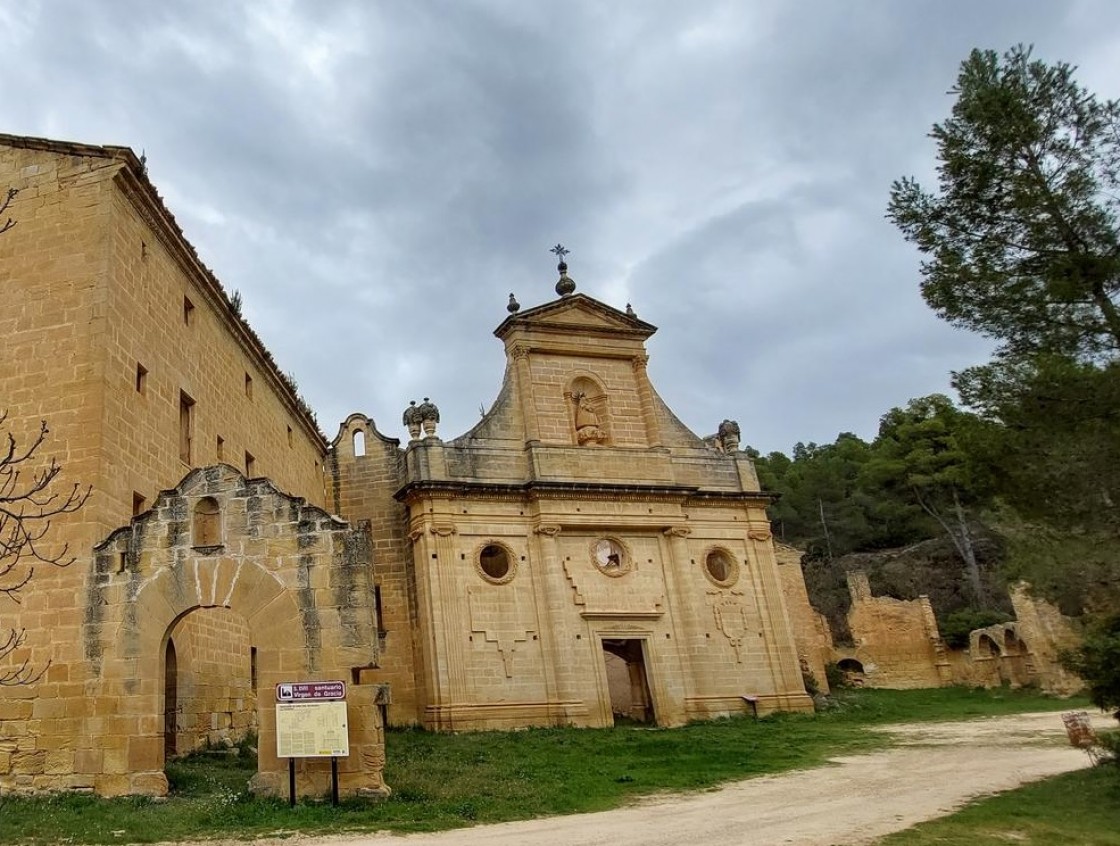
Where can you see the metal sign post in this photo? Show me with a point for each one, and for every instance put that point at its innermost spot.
(311, 722)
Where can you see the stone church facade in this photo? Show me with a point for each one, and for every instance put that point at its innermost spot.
(577, 556)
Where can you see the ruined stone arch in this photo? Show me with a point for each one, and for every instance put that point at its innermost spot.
(988, 647)
(298, 577)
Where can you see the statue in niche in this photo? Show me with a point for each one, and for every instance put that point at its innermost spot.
(588, 428)
(729, 436)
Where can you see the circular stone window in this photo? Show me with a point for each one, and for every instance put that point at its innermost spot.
(610, 557)
(495, 563)
(721, 567)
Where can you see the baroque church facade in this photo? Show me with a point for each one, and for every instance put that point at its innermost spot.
(577, 556)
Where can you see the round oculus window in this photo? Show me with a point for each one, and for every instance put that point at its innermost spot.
(720, 567)
(609, 556)
(494, 563)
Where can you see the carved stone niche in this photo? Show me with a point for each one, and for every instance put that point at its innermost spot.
(590, 412)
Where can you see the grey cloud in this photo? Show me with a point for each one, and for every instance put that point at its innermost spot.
(376, 178)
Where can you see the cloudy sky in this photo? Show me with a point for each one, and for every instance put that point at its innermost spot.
(377, 177)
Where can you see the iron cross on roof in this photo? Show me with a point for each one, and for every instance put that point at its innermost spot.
(560, 251)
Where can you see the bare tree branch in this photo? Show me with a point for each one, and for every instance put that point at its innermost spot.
(29, 501)
(9, 223)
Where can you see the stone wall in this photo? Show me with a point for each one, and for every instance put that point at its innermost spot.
(96, 339)
(300, 580)
(896, 641)
(811, 633)
(362, 488)
(210, 677)
(897, 645)
(1044, 633)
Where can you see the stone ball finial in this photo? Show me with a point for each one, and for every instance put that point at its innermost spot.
(514, 306)
(565, 286)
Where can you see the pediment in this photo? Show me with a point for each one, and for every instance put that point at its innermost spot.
(579, 312)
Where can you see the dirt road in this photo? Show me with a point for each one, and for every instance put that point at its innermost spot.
(856, 799)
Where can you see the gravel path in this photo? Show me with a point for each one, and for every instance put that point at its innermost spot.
(854, 800)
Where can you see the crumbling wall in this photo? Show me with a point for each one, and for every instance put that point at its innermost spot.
(811, 634)
(897, 645)
(1046, 632)
(896, 641)
(365, 471)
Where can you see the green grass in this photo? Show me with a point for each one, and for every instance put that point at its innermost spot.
(1076, 809)
(443, 781)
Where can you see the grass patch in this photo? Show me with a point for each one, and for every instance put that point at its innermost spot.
(442, 781)
(1079, 809)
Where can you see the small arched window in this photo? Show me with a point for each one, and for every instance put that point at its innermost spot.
(359, 443)
(207, 522)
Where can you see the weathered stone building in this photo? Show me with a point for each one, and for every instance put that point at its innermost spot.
(578, 541)
(896, 644)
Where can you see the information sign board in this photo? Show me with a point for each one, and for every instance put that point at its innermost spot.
(312, 730)
(310, 691)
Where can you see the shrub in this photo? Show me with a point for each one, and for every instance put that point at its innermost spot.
(835, 676)
(956, 627)
(1097, 661)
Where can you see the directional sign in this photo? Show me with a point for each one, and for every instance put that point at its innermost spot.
(322, 691)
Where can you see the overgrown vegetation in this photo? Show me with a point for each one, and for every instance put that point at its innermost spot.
(443, 781)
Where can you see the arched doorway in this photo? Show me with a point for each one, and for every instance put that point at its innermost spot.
(209, 696)
(853, 671)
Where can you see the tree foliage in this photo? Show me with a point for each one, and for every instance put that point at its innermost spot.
(1098, 661)
(1022, 244)
(1021, 240)
(920, 455)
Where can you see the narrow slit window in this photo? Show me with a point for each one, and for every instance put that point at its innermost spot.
(291, 439)
(250, 463)
(188, 311)
(186, 426)
(141, 378)
(220, 448)
(248, 386)
(139, 503)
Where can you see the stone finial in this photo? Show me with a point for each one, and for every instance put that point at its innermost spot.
(429, 416)
(514, 306)
(565, 286)
(630, 311)
(729, 435)
(411, 420)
